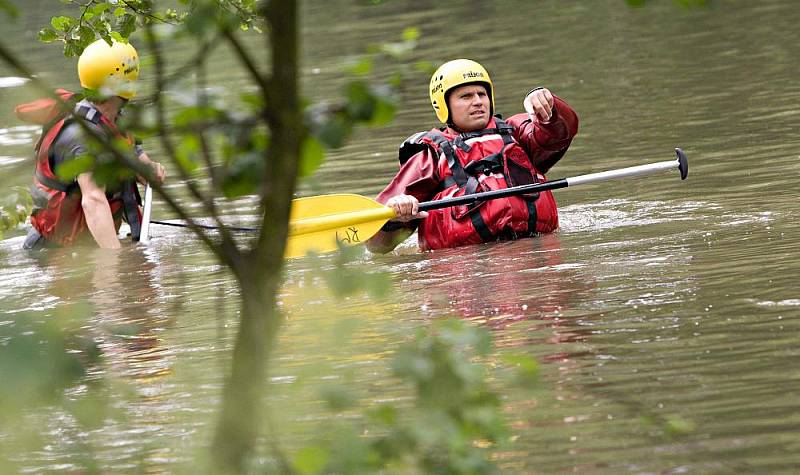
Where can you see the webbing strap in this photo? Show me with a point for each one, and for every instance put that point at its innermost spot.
(131, 208)
(532, 216)
(480, 226)
(55, 184)
(89, 113)
(487, 165)
(459, 175)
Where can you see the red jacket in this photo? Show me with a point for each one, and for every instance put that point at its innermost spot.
(505, 154)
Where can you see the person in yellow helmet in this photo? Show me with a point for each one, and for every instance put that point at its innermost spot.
(67, 212)
(476, 151)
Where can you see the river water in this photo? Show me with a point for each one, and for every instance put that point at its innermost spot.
(664, 313)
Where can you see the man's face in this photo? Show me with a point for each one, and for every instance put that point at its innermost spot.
(469, 107)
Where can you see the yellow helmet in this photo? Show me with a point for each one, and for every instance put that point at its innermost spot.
(453, 74)
(110, 70)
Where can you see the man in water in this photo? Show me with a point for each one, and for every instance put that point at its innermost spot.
(67, 212)
(474, 152)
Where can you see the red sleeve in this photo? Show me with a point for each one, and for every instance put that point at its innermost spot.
(546, 143)
(417, 177)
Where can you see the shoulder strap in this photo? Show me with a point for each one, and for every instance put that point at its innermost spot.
(50, 133)
(89, 113)
(61, 120)
(410, 147)
(446, 146)
(505, 130)
(44, 153)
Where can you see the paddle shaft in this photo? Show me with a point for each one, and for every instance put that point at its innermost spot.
(203, 226)
(680, 164)
(144, 234)
(146, 221)
(331, 222)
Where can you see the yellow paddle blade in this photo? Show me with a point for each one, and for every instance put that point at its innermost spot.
(322, 223)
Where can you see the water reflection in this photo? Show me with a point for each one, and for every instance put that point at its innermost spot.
(115, 298)
(527, 291)
(124, 316)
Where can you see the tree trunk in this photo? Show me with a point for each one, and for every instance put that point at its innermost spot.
(240, 417)
(259, 271)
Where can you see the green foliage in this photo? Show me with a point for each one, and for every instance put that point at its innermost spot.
(449, 426)
(14, 209)
(310, 460)
(97, 20)
(670, 426)
(48, 367)
(527, 369)
(39, 359)
(205, 17)
(364, 104)
(119, 20)
(9, 9)
(311, 157)
(70, 169)
(348, 277)
(103, 160)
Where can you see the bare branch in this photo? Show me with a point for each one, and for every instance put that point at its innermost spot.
(248, 61)
(169, 146)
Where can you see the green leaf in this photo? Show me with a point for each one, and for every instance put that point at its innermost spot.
(70, 169)
(411, 34)
(425, 67)
(526, 368)
(385, 414)
(127, 25)
(312, 155)
(677, 426)
(360, 101)
(310, 460)
(201, 19)
(338, 398)
(360, 66)
(72, 48)
(189, 116)
(333, 132)
(379, 285)
(383, 113)
(243, 175)
(87, 36)
(35, 363)
(6, 220)
(90, 410)
(46, 35)
(255, 101)
(119, 11)
(99, 8)
(105, 36)
(10, 9)
(187, 150)
(62, 23)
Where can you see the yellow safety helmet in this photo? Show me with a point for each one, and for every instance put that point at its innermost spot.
(453, 74)
(109, 70)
